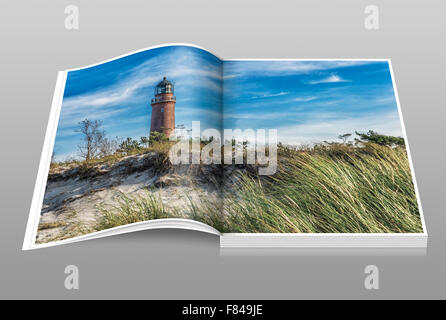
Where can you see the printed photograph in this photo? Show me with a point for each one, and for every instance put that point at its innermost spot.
(153, 135)
(343, 164)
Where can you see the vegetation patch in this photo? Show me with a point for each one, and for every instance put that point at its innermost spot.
(327, 188)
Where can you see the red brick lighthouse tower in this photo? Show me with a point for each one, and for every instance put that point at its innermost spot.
(163, 109)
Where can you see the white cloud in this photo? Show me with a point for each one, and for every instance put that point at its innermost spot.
(176, 65)
(270, 115)
(305, 99)
(330, 79)
(190, 111)
(234, 69)
(181, 65)
(270, 95)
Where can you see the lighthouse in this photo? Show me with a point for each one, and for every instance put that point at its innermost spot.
(163, 109)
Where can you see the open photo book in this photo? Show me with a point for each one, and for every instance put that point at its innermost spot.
(261, 152)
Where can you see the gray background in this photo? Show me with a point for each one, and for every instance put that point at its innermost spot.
(181, 264)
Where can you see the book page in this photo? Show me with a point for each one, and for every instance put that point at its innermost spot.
(337, 158)
(119, 121)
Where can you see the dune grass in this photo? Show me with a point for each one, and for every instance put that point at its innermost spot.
(131, 209)
(329, 189)
(333, 188)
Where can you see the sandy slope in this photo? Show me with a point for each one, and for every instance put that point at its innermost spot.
(72, 200)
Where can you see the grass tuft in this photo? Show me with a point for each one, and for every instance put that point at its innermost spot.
(131, 209)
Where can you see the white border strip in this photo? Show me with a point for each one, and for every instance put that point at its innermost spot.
(324, 240)
(45, 160)
(412, 170)
(169, 223)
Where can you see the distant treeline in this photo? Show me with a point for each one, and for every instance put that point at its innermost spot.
(95, 143)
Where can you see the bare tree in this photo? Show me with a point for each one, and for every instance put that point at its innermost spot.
(92, 138)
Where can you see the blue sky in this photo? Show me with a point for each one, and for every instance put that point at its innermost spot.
(119, 93)
(310, 101)
(306, 101)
